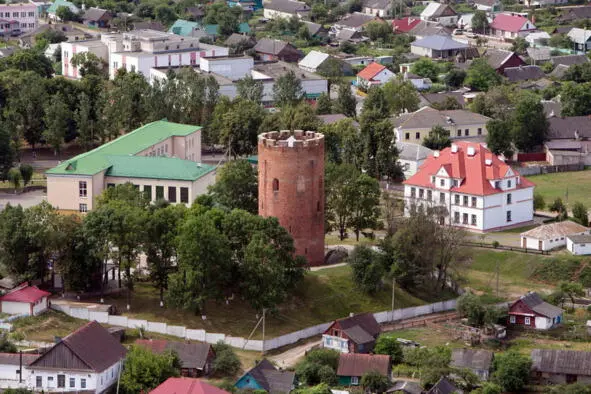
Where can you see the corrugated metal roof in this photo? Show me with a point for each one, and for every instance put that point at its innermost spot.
(313, 59)
(438, 42)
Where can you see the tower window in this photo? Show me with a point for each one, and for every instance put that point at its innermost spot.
(275, 185)
(317, 206)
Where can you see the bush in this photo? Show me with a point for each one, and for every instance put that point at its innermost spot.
(390, 346)
(327, 375)
(324, 357)
(319, 366)
(374, 382)
(226, 361)
(511, 371)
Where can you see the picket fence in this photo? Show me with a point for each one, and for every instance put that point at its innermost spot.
(89, 313)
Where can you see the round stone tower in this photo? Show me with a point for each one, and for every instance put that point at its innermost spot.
(291, 187)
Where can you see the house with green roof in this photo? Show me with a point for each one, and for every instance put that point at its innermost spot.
(52, 10)
(161, 158)
(184, 28)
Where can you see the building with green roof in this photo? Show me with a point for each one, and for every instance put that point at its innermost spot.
(52, 10)
(161, 158)
(184, 28)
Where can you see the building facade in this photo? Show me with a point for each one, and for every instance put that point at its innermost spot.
(291, 187)
(18, 17)
(552, 235)
(475, 189)
(161, 158)
(530, 311)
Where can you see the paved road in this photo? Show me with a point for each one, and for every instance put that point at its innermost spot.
(26, 200)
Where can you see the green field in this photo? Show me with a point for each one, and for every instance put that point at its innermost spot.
(552, 186)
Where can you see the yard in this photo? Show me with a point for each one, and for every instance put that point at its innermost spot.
(570, 186)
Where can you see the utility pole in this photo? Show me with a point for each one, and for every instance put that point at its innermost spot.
(497, 277)
(264, 313)
(393, 295)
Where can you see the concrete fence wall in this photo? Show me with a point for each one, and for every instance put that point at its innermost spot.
(242, 343)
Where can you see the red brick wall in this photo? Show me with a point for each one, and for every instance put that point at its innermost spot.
(299, 202)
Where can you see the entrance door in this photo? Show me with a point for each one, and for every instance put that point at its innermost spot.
(540, 245)
(571, 379)
(523, 242)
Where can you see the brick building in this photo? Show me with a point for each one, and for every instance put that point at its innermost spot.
(291, 187)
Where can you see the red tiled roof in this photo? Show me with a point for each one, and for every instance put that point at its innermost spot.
(25, 294)
(405, 25)
(371, 71)
(474, 170)
(505, 22)
(186, 386)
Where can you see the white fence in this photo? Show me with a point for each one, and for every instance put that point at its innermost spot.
(88, 313)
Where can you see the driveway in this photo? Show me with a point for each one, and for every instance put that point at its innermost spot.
(26, 200)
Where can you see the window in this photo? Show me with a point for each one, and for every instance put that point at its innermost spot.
(459, 132)
(465, 200)
(354, 380)
(467, 132)
(479, 131)
(456, 183)
(82, 190)
(465, 218)
(159, 192)
(509, 184)
(433, 179)
(38, 381)
(61, 380)
(185, 195)
(83, 383)
(442, 198)
(31, 14)
(508, 216)
(72, 382)
(275, 185)
(116, 65)
(418, 136)
(83, 208)
(456, 217)
(429, 195)
(442, 182)
(406, 136)
(473, 201)
(413, 192)
(110, 185)
(132, 68)
(512, 319)
(457, 199)
(148, 192)
(421, 193)
(497, 185)
(509, 198)
(473, 220)
(171, 193)
(527, 321)
(317, 206)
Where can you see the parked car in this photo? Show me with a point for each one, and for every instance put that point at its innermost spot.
(458, 32)
(15, 33)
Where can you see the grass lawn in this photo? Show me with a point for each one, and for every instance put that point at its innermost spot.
(323, 296)
(47, 326)
(552, 186)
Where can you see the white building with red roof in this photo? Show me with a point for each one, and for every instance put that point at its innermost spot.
(25, 300)
(375, 74)
(478, 190)
(511, 26)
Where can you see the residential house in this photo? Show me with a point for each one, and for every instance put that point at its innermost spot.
(488, 5)
(543, 3)
(568, 60)
(265, 376)
(248, 6)
(270, 49)
(185, 28)
(354, 21)
(511, 26)
(537, 38)
(500, 59)
(405, 25)
(213, 31)
(436, 99)
(52, 10)
(286, 9)
(358, 60)
(530, 311)
(349, 35)
(418, 82)
(352, 367)
(374, 74)
(198, 12)
(570, 15)
(89, 359)
(334, 118)
(569, 128)
(478, 361)
(539, 55)
(241, 41)
(196, 358)
(462, 124)
(550, 367)
(316, 30)
(25, 300)
(411, 157)
(97, 17)
(523, 73)
(425, 29)
(354, 334)
(316, 61)
(579, 245)
(581, 38)
(437, 47)
(18, 17)
(440, 13)
(465, 21)
(551, 236)
(444, 386)
(476, 190)
(161, 158)
(148, 25)
(381, 8)
(405, 387)
(186, 386)
(10, 368)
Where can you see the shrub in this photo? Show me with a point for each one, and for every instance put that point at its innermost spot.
(226, 361)
(512, 371)
(374, 382)
(390, 346)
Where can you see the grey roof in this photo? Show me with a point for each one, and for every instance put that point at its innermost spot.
(287, 6)
(268, 45)
(94, 14)
(569, 362)
(439, 42)
(378, 4)
(536, 304)
(497, 57)
(276, 69)
(313, 28)
(356, 20)
(472, 358)
(191, 355)
(428, 117)
(539, 54)
(427, 28)
(443, 386)
(410, 151)
(436, 98)
(523, 73)
(149, 25)
(579, 36)
(566, 127)
(575, 13)
(237, 38)
(569, 60)
(563, 145)
(358, 335)
(559, 71)
(334, 118)
(348, 34)
(562, 30)
(270, 379)
(406, 387)
(580, 238)
(434, 10)
(14, 358)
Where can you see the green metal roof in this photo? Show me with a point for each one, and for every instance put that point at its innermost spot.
(253, 159)
(61, 3)
(97, 160)
(183, 27)
(212, 30)
(155, 167)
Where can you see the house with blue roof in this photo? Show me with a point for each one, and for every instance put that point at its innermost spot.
(265, 376)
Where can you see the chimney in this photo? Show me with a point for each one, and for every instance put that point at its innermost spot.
(436, 153)
(471, 151)
(488, 162)
(454, 148)
(351, 314)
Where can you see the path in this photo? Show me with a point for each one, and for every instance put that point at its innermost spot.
(290, 357)
(26, 200)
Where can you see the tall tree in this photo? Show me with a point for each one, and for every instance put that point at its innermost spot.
(437, 139)
(57, 115)
(499, 139)
(26, 171)
(323, 104)
(340, 181)
(366, 200)
(236, 186)
(425, 68)
(287, 90)
(89, 64)
(512, 371)
(7, 153)
(576, 99)
(380, 152)
(366, 269)
(345, 102)
(529, 124)
(401, 96)
(580, 213)
(481, 76)
(342, 143)
(250, 89)
(145, 370)
(239, 127)
(85, 122)
(480, 22)
(27, 106)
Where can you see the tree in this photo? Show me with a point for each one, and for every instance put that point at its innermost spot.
(342, 143)
(478, 314)
(499, 138)
(18, 391)
(89, 64)
(323, 104)
(30, 60)
(345, 102)
(365, 200)
(339, 191)
(571, 290)
(6, 151)
(425, 68)
(580, 214)
(379, 146)
(239, 127)
(375, 382)
(390, 346)
(165, 14)
(512, 370)
(287, 90)
(52, 36)
(15, 178)
(529, 124)
(481, 76)
(455, 79)
(65, 14)
(480, 22)
(576, 99)
(145, 370)
(366, 269)
(539, 203)
(559, 207)
(448, 103)
(401, 96)
(86, 121)
(519, 45)
(57, 115)
(26, 171)
(433, 363)
(26, 107)
(437, 139)
(236, 186)
(379, 31)
(498, 103)
(226, 362)
(560, 41)
(318, 366)
(250, 89)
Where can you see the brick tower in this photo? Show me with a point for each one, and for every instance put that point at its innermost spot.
(291, 187)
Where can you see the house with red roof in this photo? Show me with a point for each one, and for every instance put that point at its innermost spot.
(511, 26)
(405, 25)
(375, 74)
(477, 190)
(25, 300)
(186, 386)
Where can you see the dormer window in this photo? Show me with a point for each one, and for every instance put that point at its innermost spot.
(497, 185)
(509, 184)
(442, 182)
(432, 179)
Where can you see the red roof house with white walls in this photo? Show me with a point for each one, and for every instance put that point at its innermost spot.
(25, 300)
(375, 74)
(511, 26)
(475, 188)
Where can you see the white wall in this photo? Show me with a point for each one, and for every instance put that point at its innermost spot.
(543, 323)
(232, 68)
(99, 382)
(578, 249)
(16, 308)
(9, 372)
(420, 51)
(40, 307)
(336, 343)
